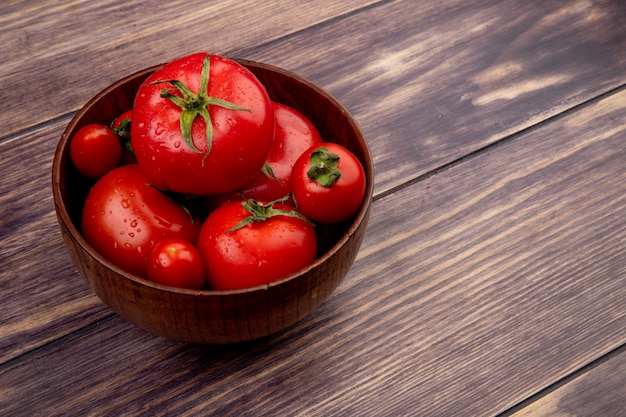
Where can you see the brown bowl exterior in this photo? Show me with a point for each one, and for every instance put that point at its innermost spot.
(215, 317)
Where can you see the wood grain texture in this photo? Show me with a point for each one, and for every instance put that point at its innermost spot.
(458, 64)
(600, 391)
(496, 274)
(434, 81)
(41, 298)
(501, 274)
(64, 53)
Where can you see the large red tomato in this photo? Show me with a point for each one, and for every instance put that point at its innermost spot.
(271, 246)
(124, 217)
(202, 124)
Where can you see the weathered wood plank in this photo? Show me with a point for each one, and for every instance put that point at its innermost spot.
(475, 288)
(56, 55)
(600, 391)
(41, 296)
(434, 81)
(429, 83)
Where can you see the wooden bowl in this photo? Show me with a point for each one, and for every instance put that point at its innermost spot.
(205, 316)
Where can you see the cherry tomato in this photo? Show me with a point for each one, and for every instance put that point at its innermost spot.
(328, 183)
(121, 127)
(176, 262)
(95, 150)
(271, 246)
(121, 124)
(202, 124)
(124, 217)
(293, 134)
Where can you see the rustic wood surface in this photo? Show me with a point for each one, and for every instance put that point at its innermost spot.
(492, 279)
(596, 390)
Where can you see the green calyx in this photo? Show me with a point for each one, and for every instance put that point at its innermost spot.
(194, 105)
(324, 169)
(269, 173)
(260, 212)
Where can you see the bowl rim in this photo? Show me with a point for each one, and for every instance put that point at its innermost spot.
(64, 216)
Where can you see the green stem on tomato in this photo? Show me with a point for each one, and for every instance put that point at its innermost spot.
(260, 212)
(194, 105)
(324, 168)
(269, 173)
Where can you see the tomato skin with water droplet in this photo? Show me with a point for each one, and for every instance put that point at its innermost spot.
(257, 253)
(293, 135)
(95, 150)
(124, 217)
(241, 139)
(176, 262)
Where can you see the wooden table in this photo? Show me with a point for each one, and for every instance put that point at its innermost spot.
(492, 280)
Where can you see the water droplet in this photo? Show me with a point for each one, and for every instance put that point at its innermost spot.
(177, 144)
(159, 129)
(128, 245)
(133, 223)
(131, 234)
(125, 203)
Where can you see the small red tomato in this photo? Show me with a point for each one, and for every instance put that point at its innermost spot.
(124, 217)
(95, 150)
(328, 183)
(121, 124)
(244, 244)
(176, 262)
(121, 127)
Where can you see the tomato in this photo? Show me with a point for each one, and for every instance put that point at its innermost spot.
(124, 217)
(95, 150)
(176, 262)
(328, 183)
(121, 124)
(202, 124)
(272, 242)
(121, 127)
(293, 134)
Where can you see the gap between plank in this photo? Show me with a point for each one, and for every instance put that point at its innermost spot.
(328, 22)
(235, 52)
(563, 381)
(506, 139)
(59, 340)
